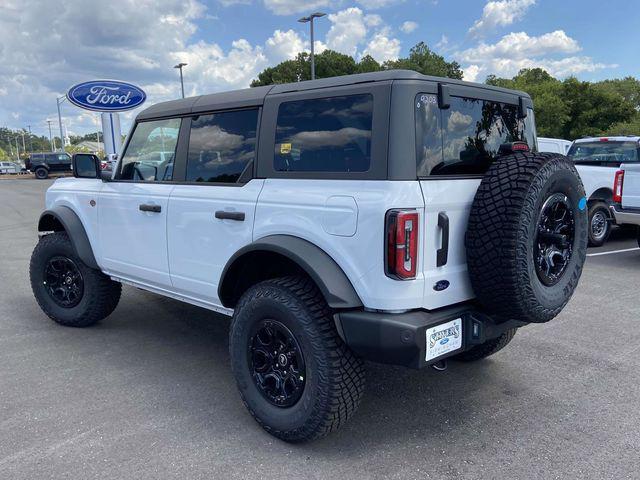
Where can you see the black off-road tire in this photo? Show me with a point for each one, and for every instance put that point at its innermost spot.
(487, 348)
(600, 209)
(334, 382)
(41, 173)
(503, 232)
(100, 294)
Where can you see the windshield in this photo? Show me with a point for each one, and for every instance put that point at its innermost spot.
(600, 152)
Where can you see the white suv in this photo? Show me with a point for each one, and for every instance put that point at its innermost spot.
(389, 216)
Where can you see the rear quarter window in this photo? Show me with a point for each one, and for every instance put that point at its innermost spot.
(324, 134)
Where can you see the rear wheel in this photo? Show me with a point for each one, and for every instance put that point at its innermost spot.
(487, 348)
(68, 291)
(296, 376)
(599, 224)
(41, 173)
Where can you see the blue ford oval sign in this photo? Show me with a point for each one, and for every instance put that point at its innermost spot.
(106, 96)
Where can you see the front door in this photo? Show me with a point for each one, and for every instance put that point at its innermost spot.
(211, 214)
(132, 210)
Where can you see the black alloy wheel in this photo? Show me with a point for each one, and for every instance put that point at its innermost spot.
(554, 240)
(63, 281)
(276, 363)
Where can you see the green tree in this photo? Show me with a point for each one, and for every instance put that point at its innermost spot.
(571, 108)
(333, 64)
(423, 60)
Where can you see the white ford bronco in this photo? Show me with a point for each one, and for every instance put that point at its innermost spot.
(390, 217)
(597, 160)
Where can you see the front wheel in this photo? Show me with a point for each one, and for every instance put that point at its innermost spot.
(296, 376)
(599, 224)
(68, 291)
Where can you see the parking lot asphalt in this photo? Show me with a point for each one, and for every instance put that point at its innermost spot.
(148, 393)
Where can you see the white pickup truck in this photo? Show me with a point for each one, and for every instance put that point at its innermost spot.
(597, 159)
(626, 196)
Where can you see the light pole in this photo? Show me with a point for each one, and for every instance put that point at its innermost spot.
(30, 139)
(59, 100)
(179, 67)
(309, 20)
(53, 146)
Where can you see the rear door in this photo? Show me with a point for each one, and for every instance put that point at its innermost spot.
(454, 147)
(211, 212)
(132, 210)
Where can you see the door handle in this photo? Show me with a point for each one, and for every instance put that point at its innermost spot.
(442, 254)
(145, 207)
(224, 215)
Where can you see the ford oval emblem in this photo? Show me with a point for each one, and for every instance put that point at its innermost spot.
(444, 341)
(441, 285)
(106, 96)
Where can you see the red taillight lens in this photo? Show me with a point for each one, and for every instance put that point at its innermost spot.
(401, 247)
(617, 186)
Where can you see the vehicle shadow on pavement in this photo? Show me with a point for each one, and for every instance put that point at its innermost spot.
(398, 403)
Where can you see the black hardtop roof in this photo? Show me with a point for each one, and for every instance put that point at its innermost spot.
(255, 96)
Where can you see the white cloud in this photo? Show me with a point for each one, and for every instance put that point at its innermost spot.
(521, 45)
(443, 43)
(373, 4)
(373, 20)
(383, 48)
(516, 51)
(499, 13)
(408, 26)
(284, 45)
(470, 73)
(289, 7)
(348, 30)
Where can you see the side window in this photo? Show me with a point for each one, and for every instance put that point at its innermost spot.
(150, 155)
(221, 146)
(470, 133)
(324, 135)
(52, 158)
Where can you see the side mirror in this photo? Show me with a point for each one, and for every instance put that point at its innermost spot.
(85, 165)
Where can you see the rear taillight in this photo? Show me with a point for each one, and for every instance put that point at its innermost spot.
(401, 245)
(617, 186)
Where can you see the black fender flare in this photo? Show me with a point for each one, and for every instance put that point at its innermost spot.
(321, 268)
(72, 225)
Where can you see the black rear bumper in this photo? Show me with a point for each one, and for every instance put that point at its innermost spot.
(400, 339)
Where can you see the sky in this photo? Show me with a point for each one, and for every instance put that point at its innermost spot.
(48, 45)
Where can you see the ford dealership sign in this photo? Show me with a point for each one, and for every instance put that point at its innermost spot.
(106, 96)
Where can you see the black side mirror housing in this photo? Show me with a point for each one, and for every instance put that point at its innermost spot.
(85, 165)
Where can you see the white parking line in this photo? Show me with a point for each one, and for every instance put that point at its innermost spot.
(612, 251)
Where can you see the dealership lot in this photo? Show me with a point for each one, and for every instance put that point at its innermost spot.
(148, 393)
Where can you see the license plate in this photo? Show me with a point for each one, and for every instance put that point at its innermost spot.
(443, 338)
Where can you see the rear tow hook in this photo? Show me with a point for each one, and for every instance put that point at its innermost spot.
(440, 366)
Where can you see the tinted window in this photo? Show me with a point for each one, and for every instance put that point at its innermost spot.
(324, 135)
(221, 146)
(150, 154)
(464, 139)
(604, 152)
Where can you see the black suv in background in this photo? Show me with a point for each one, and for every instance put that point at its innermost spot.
(41, 164)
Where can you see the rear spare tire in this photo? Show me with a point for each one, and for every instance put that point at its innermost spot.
(527, 236)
